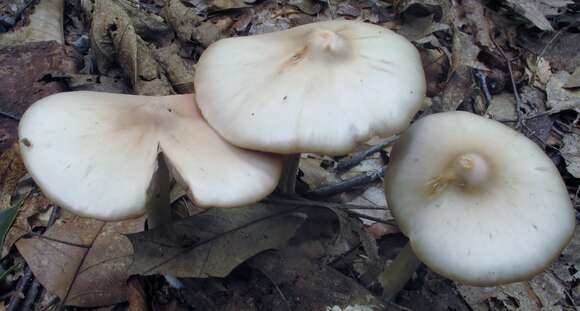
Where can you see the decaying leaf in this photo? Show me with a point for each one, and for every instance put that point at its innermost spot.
(573, 80)
(308, 285)
(559, 98)
(11, 170)
(114, 40)
(530, 9)
(83, 261)
(571, 153)
(45, 25)
(212, 243)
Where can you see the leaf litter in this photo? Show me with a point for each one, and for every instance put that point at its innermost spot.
(510, 60)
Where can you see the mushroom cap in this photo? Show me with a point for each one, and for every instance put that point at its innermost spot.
(481, 203)
(321, 87)
(95, 153)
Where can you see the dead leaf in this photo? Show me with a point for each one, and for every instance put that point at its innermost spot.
(571, 153)
(308, 285)
(310, 7)
(11, 170)
(83, 261)
(114, 41)
(530, 10)
(517, 296)
(214, 242)
(45, 25)
(560, 99)
(573, 80)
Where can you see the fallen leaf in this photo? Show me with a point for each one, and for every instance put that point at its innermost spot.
(214, 242)
(310, 7)
(573, 80)
(83, 261)
(114, 41)
(559, 98)
(45, 25)
(7, 217)
(530, 9)
(11, 170)
(570, 151)
(309, 285)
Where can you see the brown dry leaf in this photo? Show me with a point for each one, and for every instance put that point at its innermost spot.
(83, 261)
(180, 71)
(212, 243)
(530, 9)
(309, 285)
(114, 41)
(570, 151)
(11, 171)
(45, 25)
(559, 98)
(573, 80)
(315, 175)
(463, 60)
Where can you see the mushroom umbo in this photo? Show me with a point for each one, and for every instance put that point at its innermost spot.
(321, 87)
(95, 154)
(480, 203)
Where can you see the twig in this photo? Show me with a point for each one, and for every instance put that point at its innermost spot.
(19, 293)
(304, 202)
(9, 116)
(358, 157)
(31, 296)
(519, 112)
(347, 185)
(484, 87)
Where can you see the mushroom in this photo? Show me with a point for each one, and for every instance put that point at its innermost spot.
(95, 154)
(321, 87)
(480, 203)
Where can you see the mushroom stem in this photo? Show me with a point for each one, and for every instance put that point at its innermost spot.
(158, 205)
(398, 272)
(287, 184)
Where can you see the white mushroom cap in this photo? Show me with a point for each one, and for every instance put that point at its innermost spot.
(95, 153)
(481, 203)
(321, 87)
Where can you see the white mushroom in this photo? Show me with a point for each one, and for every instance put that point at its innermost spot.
(95, 153)
(322, 87)
(481, 203)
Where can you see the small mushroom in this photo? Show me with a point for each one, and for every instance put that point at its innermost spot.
(323, 87)
(96, 154)
(480, 203)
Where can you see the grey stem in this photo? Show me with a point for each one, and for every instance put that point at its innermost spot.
(399, 272)
(287, 184)
(158, 205)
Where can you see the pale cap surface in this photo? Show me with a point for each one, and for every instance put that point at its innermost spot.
(321, 87)
(481, 203)
(95, 153)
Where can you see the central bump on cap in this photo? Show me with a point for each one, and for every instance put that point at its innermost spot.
(325, 40)
(472, 170)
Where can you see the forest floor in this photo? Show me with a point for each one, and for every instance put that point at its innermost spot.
(514, 61)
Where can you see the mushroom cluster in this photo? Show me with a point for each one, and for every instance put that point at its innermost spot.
(480, 203)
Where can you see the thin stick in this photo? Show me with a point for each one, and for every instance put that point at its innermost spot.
(347, 185)
(358, 157)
